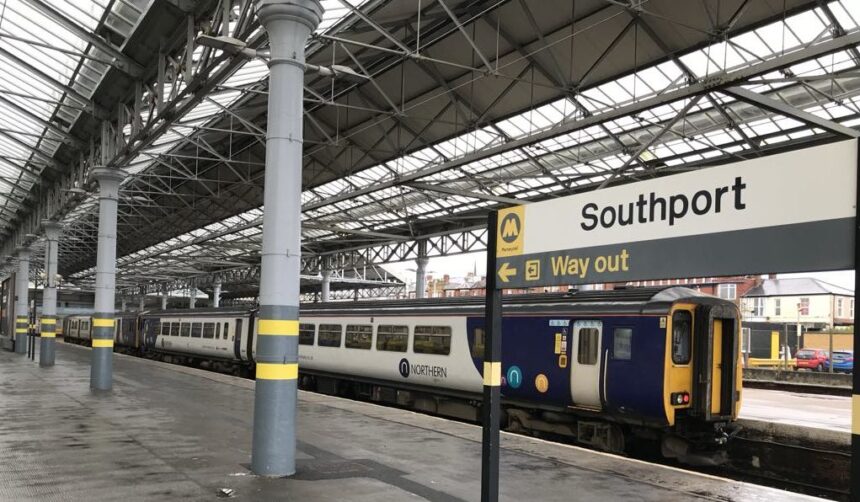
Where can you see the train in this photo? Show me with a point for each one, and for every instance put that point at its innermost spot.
(608, 369)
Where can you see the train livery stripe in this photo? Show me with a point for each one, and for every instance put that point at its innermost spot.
(103, 323)
(278, 327)
(269, 371)
(855, 414)
(492, 374)
(101, 343)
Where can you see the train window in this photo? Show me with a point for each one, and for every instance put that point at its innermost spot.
(478, 343)
(682, 334)
(165, 329)
(432, 340)
(589, 338)
(392, 338)
(226, 330)
(622, 345)
(329, 335)
(359, 336)
(196, 329)
(185, 329)
(306, 334)
(174, 329)
(85, 325)
(217, 330)
(208, 330)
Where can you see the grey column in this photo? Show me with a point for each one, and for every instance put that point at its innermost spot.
(326, 285)
(216, 293)
(421, 276)
(22, 300)
(47, 342)
(101, 371)
(123, 304)
(273, 451)
(164, 297)
(192, 296)
(141, 304)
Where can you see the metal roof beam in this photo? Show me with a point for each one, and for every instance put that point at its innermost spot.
(121, 61)
(466, 193)
(776, 106)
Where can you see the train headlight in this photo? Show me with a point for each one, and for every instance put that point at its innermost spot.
(679, 398)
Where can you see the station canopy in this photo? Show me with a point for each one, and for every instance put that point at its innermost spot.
(458, 107)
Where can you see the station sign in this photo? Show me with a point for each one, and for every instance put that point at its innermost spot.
(790, 212)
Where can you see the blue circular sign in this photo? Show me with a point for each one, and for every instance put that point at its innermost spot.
(404, 367)
(515, 376)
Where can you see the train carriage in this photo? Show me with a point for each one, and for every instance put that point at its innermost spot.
(598, 366)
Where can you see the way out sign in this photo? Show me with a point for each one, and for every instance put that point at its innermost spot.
(791, 212)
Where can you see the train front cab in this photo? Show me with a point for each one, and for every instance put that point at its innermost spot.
(702, 387)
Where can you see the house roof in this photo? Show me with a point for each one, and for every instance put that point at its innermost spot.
(796, 287)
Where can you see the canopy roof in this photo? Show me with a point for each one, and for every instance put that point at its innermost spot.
(469, 106)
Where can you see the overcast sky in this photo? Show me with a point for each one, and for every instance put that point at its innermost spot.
(461, 265)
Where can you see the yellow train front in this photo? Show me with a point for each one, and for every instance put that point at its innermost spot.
(703, 374)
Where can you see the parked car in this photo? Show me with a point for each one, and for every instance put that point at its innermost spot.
(843, 361)
(812, 359)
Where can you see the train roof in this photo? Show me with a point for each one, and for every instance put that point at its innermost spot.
(654, 300)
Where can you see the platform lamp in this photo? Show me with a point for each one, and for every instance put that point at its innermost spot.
(238, 48)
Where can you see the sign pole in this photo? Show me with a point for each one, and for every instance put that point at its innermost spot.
(855, 387)
(490, 410)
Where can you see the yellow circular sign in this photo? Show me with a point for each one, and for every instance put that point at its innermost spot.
(541, 383)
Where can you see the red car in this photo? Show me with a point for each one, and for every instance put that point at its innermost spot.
(812, 359)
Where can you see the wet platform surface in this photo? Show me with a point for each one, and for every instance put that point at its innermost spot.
(173, 433)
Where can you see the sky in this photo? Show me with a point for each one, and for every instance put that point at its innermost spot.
(461, 265)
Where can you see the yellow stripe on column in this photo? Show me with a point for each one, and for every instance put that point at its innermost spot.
(20, 330)
(100, 343)
(855, 414)
(49, 321)
(269, 371)
(103, 323)
(22, 319)
(282, 328)
(493, 374)
(49, 335)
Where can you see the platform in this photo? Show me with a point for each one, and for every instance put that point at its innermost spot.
(817, 411)
(169, 432)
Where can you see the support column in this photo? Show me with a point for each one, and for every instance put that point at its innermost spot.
(421, 276)
(216, 293)
(326, 285)
(273, 452)
(47, 342)
(192, 296)
(123, 303)
(164, 297)
(22, 301)
(141, 304)
(101, 371)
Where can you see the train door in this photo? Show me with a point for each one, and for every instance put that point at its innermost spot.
(586, 363)
(715, 358)
(237, 342)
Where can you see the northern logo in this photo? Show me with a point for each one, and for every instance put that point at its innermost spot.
(511, 227)
(404, 367)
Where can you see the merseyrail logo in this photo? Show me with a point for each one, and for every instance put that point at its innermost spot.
(511, 227)
(509, 235)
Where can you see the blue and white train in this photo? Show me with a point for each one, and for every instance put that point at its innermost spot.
(602, 367)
